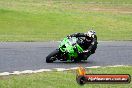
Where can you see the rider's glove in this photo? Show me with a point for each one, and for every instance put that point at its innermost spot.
(85, 51)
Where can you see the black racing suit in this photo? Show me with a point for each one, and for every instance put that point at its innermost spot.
(89, 44)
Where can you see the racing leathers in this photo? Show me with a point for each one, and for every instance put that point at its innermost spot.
(88, 43)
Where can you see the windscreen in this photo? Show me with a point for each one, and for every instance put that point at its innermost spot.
(73, 40)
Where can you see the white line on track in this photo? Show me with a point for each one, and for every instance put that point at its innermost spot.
(47, 70)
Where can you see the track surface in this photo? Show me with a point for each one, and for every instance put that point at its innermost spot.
(19, 56)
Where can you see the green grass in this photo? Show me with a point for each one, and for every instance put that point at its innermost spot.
(41, 20)
(66, 79)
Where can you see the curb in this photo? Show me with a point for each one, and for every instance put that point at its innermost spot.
(48, 70)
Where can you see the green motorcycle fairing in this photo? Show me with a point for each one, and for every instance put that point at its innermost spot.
(70, 46)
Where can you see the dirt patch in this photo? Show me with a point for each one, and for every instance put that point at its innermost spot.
(111, 10)
(97, 7)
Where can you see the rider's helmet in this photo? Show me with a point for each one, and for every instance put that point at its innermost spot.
(91, 33)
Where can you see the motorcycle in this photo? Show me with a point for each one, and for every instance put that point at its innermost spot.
(67, 51)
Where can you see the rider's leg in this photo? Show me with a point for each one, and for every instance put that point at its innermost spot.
(93, 49)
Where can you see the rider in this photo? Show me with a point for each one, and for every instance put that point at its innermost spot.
(88, 41)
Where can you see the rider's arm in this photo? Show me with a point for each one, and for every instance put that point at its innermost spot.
(94, 42)
(78, 35)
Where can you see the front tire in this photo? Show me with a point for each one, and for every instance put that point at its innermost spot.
(52, 56)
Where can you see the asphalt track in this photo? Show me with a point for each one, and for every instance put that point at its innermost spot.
(19, 56)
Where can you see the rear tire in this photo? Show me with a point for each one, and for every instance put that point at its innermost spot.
(52, 56)
(76, 60)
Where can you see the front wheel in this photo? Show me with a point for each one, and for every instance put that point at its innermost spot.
(52, 56)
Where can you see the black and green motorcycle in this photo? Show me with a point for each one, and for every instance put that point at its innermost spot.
(68, 51)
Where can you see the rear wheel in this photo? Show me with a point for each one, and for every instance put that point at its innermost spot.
(52, 56)
(76, 60)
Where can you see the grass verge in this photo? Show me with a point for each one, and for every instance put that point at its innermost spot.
(30, 20)
(64, 79)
